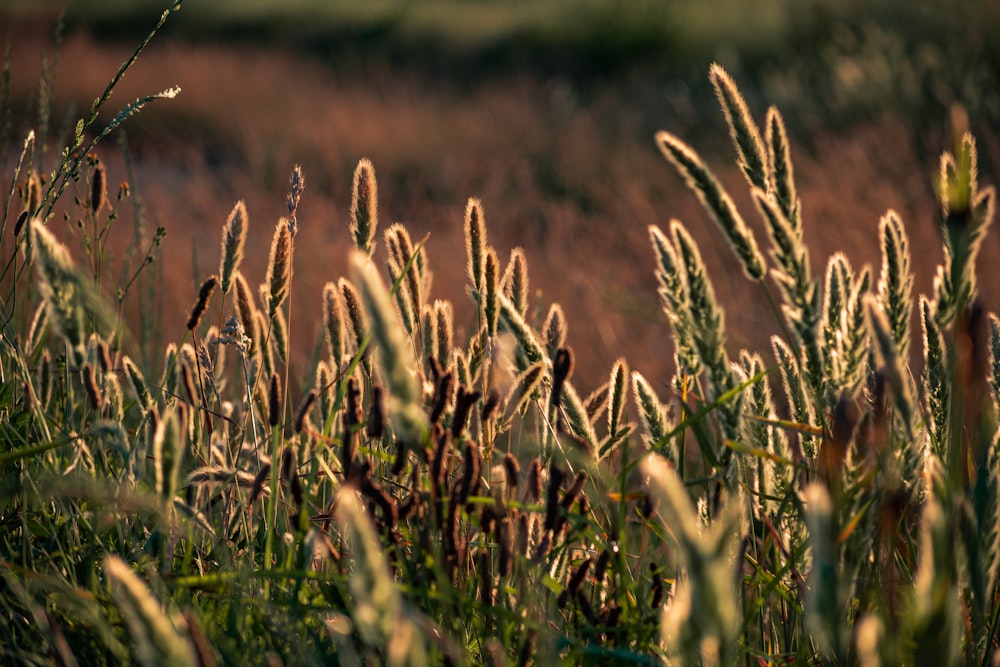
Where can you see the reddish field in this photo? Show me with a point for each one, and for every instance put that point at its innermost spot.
(576, 183)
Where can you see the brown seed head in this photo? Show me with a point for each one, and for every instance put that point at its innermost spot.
(204, 294)
(98, 188)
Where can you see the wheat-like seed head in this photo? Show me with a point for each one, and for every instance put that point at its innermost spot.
(265, 343)
(234, 236)
(781, 178)
(333, 322)
(716, 201)
(673, 296)
(522, 389)
(515, 280)
(279, 267)
(618, 396)
(514, 323)
(935, 378)
(364, 207)
(653, 415)
(475, 242)
(402, 250)
(354, 310)
(138, 383)
(795, 392)
(60, 287)
(33, 193)
(746, 137)
(444, 333)
(887, 357)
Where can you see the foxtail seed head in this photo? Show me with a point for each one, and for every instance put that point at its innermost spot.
(234, 236)
(279, 267)
(364, 207)
(475, 242)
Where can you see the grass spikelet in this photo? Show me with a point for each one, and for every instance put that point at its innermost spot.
(708, 327)
(409, 295)
(395, 357)
(444, 332)
(364, 207)
(61, 288)
(264, 345)
(515, 280)
(746, 137)
(967, 212)
(168, 454)
(781, 178)
(673, 296)
(522, 389)
(563, 364)
(234, 237)
(653, 415)
(156, 640)
(354, 310)
(274, 404)
(795, 391)
(91, 387)
(895, 285)
(617, 397)
(138, 383)
(514, 323)
(22, 220)
(491, 291)
(554, 330)
(935, 378)
(597, 402)
(279, 334)
(333, 322)
(245, 306)
(201, 305)
(716, 201)
(98, 188)
(475, 242)
(279, 267)
(577, 418)
(296, 186)
(302, 414)
(792, 273)
(888, 358)
(324, 378)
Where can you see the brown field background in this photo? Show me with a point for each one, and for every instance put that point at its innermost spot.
(574, 179)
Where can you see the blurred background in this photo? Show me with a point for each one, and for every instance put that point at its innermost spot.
(544, 109)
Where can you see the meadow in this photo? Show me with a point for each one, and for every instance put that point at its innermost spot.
(248, 416)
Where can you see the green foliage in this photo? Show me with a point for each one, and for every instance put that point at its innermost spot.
(434, 499)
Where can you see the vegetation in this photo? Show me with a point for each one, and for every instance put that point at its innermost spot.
(417, 498)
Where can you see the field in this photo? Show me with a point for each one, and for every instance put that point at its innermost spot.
(547, 115)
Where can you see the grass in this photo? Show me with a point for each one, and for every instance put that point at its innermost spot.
(422, 495)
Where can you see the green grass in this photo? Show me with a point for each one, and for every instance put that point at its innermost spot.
(416, 498)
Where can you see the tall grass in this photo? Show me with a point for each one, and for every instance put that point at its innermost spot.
(427, 499)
